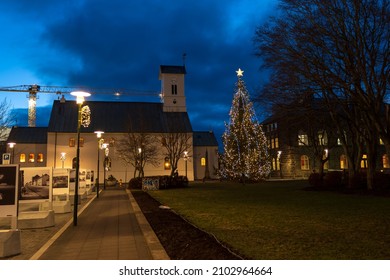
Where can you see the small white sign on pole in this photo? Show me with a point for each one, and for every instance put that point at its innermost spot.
(6, 159)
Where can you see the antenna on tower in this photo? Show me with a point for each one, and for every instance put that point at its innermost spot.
(184, 59)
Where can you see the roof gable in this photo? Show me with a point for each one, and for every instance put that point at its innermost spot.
(204, 138)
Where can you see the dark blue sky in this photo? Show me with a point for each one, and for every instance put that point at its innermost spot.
(121, 43)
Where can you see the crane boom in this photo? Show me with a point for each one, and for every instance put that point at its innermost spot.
(66, 90)
(61, 90)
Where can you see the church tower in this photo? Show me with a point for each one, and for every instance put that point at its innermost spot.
(172, 88)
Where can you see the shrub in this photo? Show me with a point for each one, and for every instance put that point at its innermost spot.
(333, 180)
(135, 183)
(382, 181)
(315, 180)
(167, 182)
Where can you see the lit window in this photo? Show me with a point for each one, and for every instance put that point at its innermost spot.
(22, 158)
(343, 162)
(31, 158)
(322, 138)
(385, 161)
(303, 140)
(81, 142)
(72, 142)
(203, 161)
(40, 158)
(304, 162)
(363, 162)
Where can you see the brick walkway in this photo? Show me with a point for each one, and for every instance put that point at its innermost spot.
(111, 227)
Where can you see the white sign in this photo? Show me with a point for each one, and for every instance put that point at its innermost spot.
(6, 158)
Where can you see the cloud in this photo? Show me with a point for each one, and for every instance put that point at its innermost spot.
(121, 44)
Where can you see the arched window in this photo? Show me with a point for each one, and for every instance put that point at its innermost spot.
(385, 161)
(167, 165)
(203, 161)
(40, 158)
(305, 162)
(343, 162)
(22, 158)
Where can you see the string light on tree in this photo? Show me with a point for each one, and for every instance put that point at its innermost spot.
(245, 145)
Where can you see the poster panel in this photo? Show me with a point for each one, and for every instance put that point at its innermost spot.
(72, 181)
(88, 182)
(35, 184)
(82, 181)
(8, 190)
(60, 181)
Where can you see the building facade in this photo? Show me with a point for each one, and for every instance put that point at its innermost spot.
(57, 144)
(294, 154)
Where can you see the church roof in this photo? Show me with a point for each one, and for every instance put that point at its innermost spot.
(204, 138)
(119, 117)
(30, 135)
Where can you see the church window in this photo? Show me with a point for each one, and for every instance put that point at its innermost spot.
(174, 89)
(385, 161)
(40, 158)
(167, 165)
(72, 142)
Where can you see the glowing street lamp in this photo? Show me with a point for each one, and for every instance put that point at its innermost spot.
(186, 159)
(12, 146)
(83, 119)
(99, 137)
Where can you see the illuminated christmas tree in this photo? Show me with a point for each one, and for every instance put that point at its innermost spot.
(245, 145)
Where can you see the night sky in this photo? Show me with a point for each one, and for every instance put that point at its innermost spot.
(122, 43)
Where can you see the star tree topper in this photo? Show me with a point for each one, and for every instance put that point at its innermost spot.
(240, 72)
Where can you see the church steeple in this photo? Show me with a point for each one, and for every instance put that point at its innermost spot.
(172, 88)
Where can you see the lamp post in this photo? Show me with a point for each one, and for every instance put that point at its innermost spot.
(12, 147)
(106, 153)
(280, 163)
(186, 159)
(63, 157)
(99, 136)
(83, 119)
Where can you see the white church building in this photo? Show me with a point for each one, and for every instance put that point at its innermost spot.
(55, 145)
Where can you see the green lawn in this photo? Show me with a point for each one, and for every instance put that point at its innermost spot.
(280, 220)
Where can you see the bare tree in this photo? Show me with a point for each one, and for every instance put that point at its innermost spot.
(340, 49)
(138, 150)
(175, 144)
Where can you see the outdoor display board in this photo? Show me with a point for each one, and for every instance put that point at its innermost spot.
(8, 190)
(60, 181)
(35, 184)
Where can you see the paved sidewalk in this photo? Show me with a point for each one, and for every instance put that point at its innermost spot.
(111, 227)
